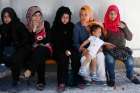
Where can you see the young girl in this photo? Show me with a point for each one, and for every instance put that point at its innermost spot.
(95, 44)
(62, 31)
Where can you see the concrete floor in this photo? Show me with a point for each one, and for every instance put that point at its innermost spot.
(123, 85)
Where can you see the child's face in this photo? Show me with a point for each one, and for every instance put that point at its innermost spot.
(84, 16)
(97, 32)
(7, 19)
(65, 18)
(112, 15)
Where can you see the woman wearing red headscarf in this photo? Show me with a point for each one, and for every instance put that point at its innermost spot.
(117, 32)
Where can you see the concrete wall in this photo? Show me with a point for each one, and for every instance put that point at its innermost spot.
(129, 10)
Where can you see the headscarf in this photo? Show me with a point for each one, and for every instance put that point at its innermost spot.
(12, 14)
(89, 10)
(60, 12)
(10, 28)
(31, 11)
(109, 25)
(62, 32)
(40, 32)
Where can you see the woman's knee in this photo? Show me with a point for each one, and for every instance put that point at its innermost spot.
(130, 61)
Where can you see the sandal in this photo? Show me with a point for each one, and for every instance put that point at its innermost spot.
(61, 88)
(81, 86)
(40, 86)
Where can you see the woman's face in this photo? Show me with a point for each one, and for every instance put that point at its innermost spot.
(65, 18)
(6, 18)
(112, 15)
(84, 16)
(36, 18)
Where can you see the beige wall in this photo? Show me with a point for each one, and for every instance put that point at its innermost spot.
(128, 9)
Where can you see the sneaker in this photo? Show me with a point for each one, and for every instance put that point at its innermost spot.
(93, 77)
(83, 72)
(135, 80)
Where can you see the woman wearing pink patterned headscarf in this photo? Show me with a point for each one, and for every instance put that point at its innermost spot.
(39, 30)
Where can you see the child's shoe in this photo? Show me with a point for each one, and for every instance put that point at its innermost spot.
(93, 77)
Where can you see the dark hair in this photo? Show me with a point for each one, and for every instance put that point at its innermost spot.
(60, 12)
(94, 27)
(11, 13)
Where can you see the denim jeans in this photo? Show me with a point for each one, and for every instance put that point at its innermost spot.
(110, 66)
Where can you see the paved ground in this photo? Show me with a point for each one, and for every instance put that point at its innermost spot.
(123, 86)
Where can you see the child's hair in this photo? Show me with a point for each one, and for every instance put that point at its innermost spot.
(93, 26)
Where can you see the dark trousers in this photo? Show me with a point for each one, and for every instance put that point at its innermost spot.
(19, 61)
(1, 48)
(37, 62)
(62, 67)
(76, 65)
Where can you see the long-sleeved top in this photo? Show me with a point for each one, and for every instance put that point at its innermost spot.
(47, 36)
(62, 37)
(14, 34)
(80, 34)
(119, 38)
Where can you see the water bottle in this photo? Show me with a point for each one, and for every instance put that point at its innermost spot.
(70, 81)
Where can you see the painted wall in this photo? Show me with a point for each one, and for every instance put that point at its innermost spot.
(129, 10)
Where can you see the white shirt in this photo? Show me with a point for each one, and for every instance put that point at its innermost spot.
(95, 45)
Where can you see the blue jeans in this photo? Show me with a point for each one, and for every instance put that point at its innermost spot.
(110, 66)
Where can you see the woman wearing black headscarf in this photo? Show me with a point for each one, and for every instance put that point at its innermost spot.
(15, 40)
(62, 31)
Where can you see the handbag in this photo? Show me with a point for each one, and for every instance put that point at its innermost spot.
(121, 53)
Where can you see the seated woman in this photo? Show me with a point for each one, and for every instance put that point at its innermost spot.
(15, 40)
(62, 31)
(79, 35)
(117, 32)
(39, 32)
